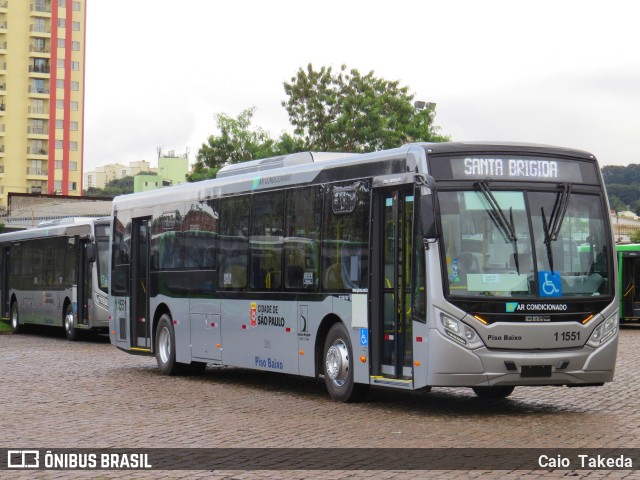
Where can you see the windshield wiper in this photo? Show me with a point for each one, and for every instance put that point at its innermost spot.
(552, 228)
(506, 227)
(497, 215)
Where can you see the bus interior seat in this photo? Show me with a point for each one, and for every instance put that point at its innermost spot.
(293, 276)
(234, 276)
(468, 263)
(333, 277)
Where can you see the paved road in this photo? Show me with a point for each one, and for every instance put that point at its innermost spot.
(87, 394)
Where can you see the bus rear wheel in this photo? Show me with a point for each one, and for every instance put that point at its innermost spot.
(15, 318)
(493, 393)
(166, 347)
(338, 367)
(69, 325)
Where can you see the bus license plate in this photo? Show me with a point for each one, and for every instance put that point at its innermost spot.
(535, 371)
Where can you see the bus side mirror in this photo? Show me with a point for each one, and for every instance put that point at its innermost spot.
(429, 207)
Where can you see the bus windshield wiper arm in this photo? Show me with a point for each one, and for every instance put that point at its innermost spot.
(496, 213)
(552, 230)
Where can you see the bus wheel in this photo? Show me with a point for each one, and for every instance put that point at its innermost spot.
(493, 393)
(166, 347)
(69, 325)
(338, 367)
(15, 318)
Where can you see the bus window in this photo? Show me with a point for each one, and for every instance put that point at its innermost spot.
(233, 243)
(345, 248)
(267, 227)
(304, 217)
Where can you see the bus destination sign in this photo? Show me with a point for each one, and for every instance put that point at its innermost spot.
(498, 167)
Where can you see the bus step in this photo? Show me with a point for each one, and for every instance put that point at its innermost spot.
(392, 382)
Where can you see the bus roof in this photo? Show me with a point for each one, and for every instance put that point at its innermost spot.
(628, 247)
(260, 174)
(69, 227)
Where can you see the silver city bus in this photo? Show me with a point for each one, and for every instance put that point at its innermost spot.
(57, 274)
(475, 265)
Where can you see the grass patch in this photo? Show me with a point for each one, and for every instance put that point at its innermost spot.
(4, 327)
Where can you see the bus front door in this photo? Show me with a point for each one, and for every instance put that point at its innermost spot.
(140, 321)
(4, 291)
(83, 293)
(392, 354)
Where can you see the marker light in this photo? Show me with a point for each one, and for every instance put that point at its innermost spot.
(604, 331)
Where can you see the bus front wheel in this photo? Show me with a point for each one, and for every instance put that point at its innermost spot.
(69, 325)
(338, 367)
(493, 393)
(166, 347)
(15, 318)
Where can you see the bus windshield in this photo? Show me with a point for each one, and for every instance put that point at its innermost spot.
(524, 244)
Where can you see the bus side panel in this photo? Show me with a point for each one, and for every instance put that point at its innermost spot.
(260, 334)
(310, 316)
(204, 319)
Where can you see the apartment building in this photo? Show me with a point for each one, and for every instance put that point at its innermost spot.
(42, 58)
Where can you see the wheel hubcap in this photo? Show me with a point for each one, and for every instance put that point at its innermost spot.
(337, 363)
(68, 322)
(164, 344)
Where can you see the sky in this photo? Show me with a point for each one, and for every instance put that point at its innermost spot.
(558, 72)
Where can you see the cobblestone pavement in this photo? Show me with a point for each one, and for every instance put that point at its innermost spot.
(87, 394)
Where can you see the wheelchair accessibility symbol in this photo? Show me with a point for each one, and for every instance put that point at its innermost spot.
(364, 337)
(549, 284)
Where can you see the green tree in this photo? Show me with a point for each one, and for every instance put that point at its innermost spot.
(113, 188)
(616, 204)
(238, 142)
(349, 111)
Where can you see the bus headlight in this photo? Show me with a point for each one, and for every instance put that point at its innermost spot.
(460, 332)
(102, 301)
(604, 331)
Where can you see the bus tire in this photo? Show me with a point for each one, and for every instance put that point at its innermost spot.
(338, 367)
(69, 325)
(493, 393)
(166, 347)
(15, 318)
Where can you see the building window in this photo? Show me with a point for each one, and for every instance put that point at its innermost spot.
(57, 184)
(75, 46)
(62, 3)
(75, 86)
(60, 83)
(60, 63)
(75, 26)
(61, 42)
(59, 164)
(73, 126)
(59, 123)
(74, 105)
(76, 6)
(59, 103)
(39, 86)
(75, 66)
(59, 146)
(73, 186)
(73, 166)
(73, 146)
